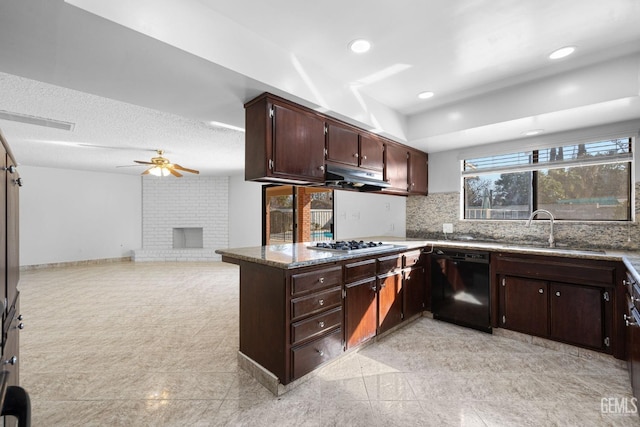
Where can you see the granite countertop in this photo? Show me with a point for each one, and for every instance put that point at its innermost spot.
(295, 255)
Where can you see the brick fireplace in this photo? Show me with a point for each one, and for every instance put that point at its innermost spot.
(183, 210)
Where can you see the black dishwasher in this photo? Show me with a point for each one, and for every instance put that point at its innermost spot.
(460, 288)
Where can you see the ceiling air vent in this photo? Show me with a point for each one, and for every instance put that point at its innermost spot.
(38, 121)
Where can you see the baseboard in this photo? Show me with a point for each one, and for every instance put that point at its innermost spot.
(75, 263)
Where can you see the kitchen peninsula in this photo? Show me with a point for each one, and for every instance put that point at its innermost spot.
(301, 308)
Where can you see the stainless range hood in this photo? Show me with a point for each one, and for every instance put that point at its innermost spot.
(354, 178)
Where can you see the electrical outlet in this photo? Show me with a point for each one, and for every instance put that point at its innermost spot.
(447, 228)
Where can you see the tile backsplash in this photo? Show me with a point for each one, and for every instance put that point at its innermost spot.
(426, 214)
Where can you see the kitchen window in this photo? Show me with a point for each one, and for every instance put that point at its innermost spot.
(585, 182)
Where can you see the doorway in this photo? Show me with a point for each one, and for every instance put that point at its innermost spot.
(294, 214)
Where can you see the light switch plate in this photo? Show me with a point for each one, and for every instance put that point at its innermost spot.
(447, 228)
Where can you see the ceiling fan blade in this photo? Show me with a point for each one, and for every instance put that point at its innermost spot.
(143, 163)
(146, 172)
(185, 169)
(174, 173)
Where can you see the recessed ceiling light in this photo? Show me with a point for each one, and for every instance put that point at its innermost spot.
(562, 52)
(360, 46)
(533, 132)
(425, 95)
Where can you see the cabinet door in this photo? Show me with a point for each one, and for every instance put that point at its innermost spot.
(12, 250)
(576, 314)
(396, 168)
(3, 235)
(371, 152)
(524, 305)
(389, 301)
(360, 312)
(414, 291)
(298, 144)
(342, 144)
(632, 339)
(418, 172)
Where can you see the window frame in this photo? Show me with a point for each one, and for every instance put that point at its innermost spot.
(535, 166)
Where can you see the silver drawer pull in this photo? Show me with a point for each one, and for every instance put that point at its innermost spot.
(320, 353)
(541, 291)
(321, 324)
(11, 361)
(321, 302)
(558, 293)
(321, 280)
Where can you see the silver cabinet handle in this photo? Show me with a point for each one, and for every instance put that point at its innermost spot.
(21, 325)
(321, 324)
(355, 155)
(628, 322)
(320, 353)
(558, 293)
(11, 361)
(541, 291)
(364, 157)
(321, 168)
(321, 302)
(321, 280)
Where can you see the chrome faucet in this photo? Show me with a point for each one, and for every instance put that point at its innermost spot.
(552, 243)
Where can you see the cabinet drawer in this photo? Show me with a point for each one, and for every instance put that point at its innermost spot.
(307, 357)
(389, 264)
(412, 258)
(313, 303)
(316, 280)
(315, 325)
(359, 270)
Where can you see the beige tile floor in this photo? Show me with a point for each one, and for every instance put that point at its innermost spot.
(154, 344)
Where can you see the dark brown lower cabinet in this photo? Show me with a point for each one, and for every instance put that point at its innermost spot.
(570, 313)
(414, 291)
(360, 312)
(389, 301)
(576, 314)
(524, 305)
(307, 357)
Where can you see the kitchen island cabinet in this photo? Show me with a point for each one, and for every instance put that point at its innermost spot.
(414, 284)
(390, 292)
(361, 302)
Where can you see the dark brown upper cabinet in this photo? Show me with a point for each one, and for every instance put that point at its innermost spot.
(348, 146)
(283, 142)
(288, 143)
(418, 172)
(396, 168)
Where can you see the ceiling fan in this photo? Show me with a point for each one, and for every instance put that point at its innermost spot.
(161, 166)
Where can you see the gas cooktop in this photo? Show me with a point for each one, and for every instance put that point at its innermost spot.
(350, 246)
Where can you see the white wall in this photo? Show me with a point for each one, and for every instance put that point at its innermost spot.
(68, 215)
(245, 212)
(367, 215)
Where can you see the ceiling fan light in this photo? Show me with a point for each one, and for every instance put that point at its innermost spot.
(159, 171)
